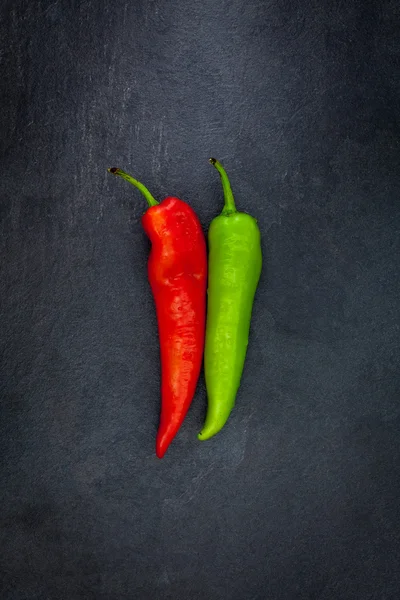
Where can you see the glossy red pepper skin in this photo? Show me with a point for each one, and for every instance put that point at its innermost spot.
(177, 271)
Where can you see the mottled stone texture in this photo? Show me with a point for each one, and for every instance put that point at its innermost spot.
(298, 497)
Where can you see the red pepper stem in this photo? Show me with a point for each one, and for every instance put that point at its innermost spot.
(229, 202)
(151, 201)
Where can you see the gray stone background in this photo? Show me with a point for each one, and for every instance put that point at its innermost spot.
(298, 497)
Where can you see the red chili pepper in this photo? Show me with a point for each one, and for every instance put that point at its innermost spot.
(177, 271)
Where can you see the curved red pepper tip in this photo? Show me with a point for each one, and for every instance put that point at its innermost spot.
(165, 434)
(161, 448)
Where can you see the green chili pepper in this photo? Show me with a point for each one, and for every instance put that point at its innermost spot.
(234, 269)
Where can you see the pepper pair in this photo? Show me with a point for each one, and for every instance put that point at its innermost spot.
(177, 271)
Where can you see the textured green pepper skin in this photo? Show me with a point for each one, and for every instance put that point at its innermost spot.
(234, 270)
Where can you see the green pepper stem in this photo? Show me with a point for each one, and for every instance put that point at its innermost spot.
(229, 202)
(151, 201)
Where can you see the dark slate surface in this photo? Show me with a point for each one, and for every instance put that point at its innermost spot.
(298, 497)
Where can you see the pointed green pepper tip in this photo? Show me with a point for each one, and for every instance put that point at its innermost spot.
(151, 201)
(229, 202)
